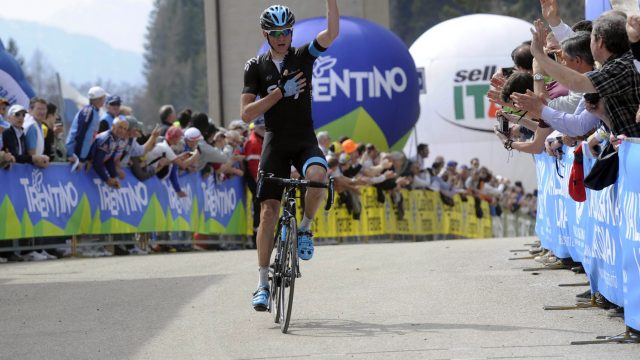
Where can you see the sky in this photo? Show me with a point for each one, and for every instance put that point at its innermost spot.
(120, 23)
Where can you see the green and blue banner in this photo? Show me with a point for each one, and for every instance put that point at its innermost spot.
(56, 202)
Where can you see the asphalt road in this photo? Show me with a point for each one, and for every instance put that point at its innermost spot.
(460, 299)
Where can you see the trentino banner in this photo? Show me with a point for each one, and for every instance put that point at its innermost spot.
(56, 202)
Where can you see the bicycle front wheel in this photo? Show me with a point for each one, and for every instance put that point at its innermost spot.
(289, 274)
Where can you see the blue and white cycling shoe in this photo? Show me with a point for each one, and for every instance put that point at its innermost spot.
(260, 300)
(305, 244)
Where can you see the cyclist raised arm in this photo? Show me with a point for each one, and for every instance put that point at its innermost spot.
(282, 78)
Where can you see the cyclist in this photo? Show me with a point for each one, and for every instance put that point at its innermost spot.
(279, 77)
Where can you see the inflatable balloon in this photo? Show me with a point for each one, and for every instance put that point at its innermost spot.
(13, 84)
(458, 58)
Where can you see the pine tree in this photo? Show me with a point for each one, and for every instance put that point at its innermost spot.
(411, 18)
(12, 48)
(175, 58)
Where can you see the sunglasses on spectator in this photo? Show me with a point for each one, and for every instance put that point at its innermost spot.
(278, 33)
(21, 114)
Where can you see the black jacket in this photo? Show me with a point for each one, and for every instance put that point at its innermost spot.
(11, 145)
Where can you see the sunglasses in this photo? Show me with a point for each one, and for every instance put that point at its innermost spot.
(21, 114)
(278, 33)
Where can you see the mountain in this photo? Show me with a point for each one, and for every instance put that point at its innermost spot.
(78, 58)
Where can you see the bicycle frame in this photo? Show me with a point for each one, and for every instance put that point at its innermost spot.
(286, 268)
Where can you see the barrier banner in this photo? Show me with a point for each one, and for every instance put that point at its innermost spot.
(603, 248)
(56, 202)
(590, 232)
(629, 188)
(543, 215)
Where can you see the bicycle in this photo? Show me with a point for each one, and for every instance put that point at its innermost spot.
(285, 268)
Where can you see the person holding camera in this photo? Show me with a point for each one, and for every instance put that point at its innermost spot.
(616, 82)
(576, 55)
(519, 83)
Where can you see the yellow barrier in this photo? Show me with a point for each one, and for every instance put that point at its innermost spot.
(425, 215)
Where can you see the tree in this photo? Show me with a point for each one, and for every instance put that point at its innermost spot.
(12, 48)
(175, 58)
(411, 18)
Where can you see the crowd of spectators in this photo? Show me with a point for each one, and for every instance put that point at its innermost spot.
(105, 137)
(354, 165)
(571, 84)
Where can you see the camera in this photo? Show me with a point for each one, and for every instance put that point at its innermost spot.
(592, 98)
(503, 124)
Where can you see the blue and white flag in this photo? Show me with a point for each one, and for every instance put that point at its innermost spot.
(13, 84)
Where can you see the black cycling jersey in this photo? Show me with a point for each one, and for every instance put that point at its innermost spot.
(290, 138)
(261, 75)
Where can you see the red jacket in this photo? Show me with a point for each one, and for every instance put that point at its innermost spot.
(252, 152)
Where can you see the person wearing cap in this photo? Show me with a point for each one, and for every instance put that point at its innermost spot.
(15, 142)
(165, 149)
(113, 110)
(85, 126)
(106, 150)
(132, 148)
(33, 121)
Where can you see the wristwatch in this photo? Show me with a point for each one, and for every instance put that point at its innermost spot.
(538, 77)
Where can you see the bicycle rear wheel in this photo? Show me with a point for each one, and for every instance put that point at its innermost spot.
(276, 274)
(289, 274)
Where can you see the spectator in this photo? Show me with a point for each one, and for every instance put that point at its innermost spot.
(132, 148)
(184, 119)
(48, 130)
(240, 126)
(14, 139)
(106, 151)
(324, 140)
(4, 106)
(59, 149)
(252, 153)
(113, 110)
(33, 121)
(615, 82)
(84, 128)
(475, 164)
(164, 149)
(208, 153)
(6, 159)
(167, 117)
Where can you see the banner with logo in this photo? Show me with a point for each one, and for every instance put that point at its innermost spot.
(598, 232)
(629, 203)
(56, 202)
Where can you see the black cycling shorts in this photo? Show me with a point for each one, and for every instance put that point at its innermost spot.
(280, 152)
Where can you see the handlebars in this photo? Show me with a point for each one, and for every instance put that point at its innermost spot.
(300, 184)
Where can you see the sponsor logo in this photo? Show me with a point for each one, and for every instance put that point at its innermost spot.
(54, 199)
(181, 205)
(355, 85)
(126, 200)
(217, 201)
